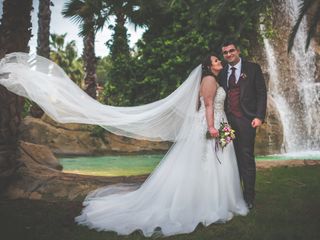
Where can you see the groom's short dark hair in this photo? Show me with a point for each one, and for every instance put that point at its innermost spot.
(230, 42)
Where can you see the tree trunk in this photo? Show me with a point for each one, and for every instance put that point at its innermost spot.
(15, 32)
(43, 48)
(89, 59)
(44, 16)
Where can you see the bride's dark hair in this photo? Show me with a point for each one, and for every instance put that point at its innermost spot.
(206, 71)
(206, 66)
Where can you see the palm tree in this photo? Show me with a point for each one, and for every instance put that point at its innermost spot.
(66, 56)
(86, 13)
(118, 89)
(15, 32)
(43, 49)
(306, 7)
(44, 16)
(123, 11)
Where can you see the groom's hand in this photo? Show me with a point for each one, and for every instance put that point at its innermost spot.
(256, 123)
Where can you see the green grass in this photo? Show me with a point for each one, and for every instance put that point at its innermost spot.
(287, 208)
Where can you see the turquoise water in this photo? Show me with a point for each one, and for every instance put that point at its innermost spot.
(111, 165)
(143, 164)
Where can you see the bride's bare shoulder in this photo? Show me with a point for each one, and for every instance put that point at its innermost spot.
(209, 80)
(208, 77)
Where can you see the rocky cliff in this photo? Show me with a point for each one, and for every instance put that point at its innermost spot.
(77, 139)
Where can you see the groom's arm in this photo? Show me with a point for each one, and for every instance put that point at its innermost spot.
(261, 93)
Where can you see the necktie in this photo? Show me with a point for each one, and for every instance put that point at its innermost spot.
(232, 78)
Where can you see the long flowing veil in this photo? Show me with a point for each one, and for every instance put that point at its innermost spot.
(45, 83)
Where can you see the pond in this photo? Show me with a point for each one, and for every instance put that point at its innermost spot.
(111, 165)
(129, 165)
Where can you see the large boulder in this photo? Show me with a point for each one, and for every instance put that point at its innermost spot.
(40, 154)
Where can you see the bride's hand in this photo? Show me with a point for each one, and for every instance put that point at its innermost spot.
(213, 132)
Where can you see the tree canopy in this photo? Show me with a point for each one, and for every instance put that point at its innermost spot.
(180, 34)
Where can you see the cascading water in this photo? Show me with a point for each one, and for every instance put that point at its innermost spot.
(274, 89)
(309, 90)
(297, 96)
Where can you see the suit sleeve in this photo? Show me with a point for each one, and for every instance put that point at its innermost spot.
(261, 91)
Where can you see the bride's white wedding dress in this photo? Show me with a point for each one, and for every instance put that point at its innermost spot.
(188, 187)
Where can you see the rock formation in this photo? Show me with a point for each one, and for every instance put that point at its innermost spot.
(79, 139)
(38, 176)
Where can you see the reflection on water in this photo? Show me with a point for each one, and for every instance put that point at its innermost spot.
(144, 164)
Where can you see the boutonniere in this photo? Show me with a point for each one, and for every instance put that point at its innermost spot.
(243, 75)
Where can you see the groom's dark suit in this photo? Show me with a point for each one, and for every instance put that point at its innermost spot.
(251, 104)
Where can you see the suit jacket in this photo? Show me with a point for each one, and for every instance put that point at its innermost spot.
(253, 91)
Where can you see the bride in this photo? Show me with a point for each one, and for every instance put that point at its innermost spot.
(194, 183)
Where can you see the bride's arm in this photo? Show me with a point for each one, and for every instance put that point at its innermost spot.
(208, 91)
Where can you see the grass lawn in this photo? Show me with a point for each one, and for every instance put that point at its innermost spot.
(287, 208)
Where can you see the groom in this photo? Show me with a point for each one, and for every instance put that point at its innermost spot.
(245, 107)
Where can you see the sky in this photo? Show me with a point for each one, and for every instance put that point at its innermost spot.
(61, 25)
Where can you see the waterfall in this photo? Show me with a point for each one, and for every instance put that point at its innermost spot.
(274, 89)
(309, 90)
(293, 86)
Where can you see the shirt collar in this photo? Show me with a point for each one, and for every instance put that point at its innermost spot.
(237, 66)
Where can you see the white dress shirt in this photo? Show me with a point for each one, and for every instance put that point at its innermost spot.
(237, 72)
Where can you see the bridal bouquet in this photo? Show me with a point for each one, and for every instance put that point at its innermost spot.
(226, 134)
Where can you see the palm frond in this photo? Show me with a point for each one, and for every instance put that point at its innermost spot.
(88, 14)
(303, 9)
(101, 21)
(86, 28)
(313, 27)
(72, 8)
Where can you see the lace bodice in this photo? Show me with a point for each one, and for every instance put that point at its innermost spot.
(218, 108)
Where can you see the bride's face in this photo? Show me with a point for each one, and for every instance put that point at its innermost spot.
(216, 65)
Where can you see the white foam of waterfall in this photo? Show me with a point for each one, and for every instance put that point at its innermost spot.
(274, 90)
(309, 90)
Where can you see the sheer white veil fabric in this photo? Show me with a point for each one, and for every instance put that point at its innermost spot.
(45, 83)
